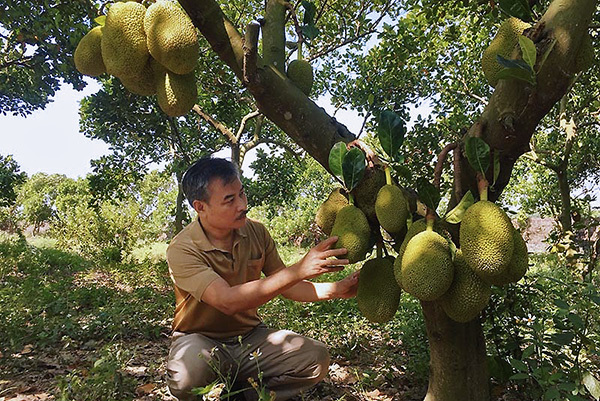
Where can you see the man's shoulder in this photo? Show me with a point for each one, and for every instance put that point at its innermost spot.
(254, 228)
(185, 237)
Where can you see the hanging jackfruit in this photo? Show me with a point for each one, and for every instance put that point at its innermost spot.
(88, 54)
(503, 44)
(171, 37)
(176, 94)
(300, 72)
(468, 294)
(486, 239)
(352, 228)
(378, 295)
(371, 183)
(391, 209)
(144, 82)
(518, 263)
(124, 49)
(427, 269)
(325, 216)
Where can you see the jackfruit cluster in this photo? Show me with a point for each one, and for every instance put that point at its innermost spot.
(353, 232)
(372, 182)
(151, 51)
(325, 216)
(300, 72)
(503, 44)
(391, 209)
(519, 262)
(378, 295)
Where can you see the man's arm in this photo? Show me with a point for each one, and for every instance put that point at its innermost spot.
(307, 291)
(230, 300)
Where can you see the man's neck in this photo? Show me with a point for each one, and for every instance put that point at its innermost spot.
(220, 238)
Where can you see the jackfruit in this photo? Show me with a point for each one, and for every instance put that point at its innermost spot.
(88, 54)
(176, 94)
(486, 239)
(391, 208)
(144, 82)
(518, 264)
(352, 228)
(325, 216)
(171, 37)
(378, 295)
(503, 44)
(468, 294)
(366, 190)
(124, 49)
(427, 269)
(300, 72)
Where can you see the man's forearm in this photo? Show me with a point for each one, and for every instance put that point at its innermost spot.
(307, 291)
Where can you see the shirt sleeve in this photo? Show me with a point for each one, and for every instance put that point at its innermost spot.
(189, 270)
(273, 261)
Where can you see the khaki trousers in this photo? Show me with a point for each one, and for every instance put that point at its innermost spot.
(289, 362)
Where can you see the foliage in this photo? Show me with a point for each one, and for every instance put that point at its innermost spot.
(10, 178)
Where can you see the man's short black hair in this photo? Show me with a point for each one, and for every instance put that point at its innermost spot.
(197, 178)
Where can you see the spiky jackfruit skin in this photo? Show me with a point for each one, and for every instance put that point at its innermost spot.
(144, 82)
(365, 193)
(325, 216)
(503, 44)
(300, 72)
(171, 37)
(124, 49)
(88, 54)
(486, 239)
(427, 269)
(353, 232)
(391, 209)
(519, 263)
(468, 294)
(176, 94)
(378, 295)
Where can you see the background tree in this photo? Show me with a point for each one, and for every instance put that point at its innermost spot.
(10, 179)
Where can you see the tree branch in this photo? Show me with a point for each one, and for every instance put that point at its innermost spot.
(439, 166)
(244, 122)
(250, 52)
(216, 124)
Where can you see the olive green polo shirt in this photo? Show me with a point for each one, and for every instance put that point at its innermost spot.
(194, 263)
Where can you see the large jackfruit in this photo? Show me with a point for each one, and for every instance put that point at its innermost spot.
(365, 193)
(124, 49)
(176, 94)
(468, 294)
(486, 239)
(519, 263)
(144, 82)
(427, 269)
(300, 72)
(325, 216)
(88, 54)
(391, 209)
(503, 44)
(171, 37)
(378, 295)
(353, 232)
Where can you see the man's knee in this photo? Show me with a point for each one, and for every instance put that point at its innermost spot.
(321, 359)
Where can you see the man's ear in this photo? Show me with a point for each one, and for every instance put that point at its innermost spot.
(198, 206)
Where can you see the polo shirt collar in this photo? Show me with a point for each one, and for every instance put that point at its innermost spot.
(204, 244)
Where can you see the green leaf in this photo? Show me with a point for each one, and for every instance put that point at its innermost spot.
(527, 352)
(563, 338)
(561, 304)
(390, 131)
(371, 99)
(310, 31)
(516, 73)
(576, 320)
(353, 167)
(403, 171)
(496, 166)
(519, 365)
(592, 385)
(427, 193)
(101, 20)
(336, 158)
(516, 8)
(478, 154)
(309, 12)
(516, 64)
(519, 376)
(595, 299)
(455, 215)
(551, 394)
(528, 49)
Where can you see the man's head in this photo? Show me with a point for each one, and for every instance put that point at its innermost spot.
(213, 188)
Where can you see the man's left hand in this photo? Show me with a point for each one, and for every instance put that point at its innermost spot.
(347, 287)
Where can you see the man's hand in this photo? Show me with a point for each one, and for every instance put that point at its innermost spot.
(347, 287)
(320, 260)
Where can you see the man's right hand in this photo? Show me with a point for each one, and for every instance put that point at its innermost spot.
(320, 259)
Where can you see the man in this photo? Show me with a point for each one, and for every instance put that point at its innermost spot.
(216, 264)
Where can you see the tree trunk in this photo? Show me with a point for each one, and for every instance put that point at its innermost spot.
(565, 202)
(457, 364)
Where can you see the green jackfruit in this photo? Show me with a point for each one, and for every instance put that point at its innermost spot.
(365, 193)
(171, 37)
(176, 94)
(144, 82)
(325, 216)
(503, 44)
(378, 295)
(124, 49)
(391, 208)
(300, 72)
(468, 294)
(427, 269)
(352, 228)
(519, 263)
(486, 239)
(88, 54)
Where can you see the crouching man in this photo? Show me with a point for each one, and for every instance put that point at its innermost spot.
(216, 264)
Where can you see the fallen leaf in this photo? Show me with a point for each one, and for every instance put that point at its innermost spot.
(27, 349)
(146, 388)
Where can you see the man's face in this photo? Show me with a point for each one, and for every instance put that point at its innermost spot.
(226, 207)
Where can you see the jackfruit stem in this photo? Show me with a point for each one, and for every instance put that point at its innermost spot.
(299, 50)
(350, 199)
(482, 186)
(379, 250)
(388, 175)
(430, 217)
